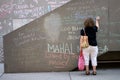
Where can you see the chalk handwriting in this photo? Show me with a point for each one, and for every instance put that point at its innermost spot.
(60, 48)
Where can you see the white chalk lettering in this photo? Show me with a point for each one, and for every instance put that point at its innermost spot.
(60, 48)
(67, 49)
(56, 49)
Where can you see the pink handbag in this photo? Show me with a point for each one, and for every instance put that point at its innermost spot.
(81, 62)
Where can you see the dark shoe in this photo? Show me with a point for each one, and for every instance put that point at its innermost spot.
(94, 73)
(87, 73)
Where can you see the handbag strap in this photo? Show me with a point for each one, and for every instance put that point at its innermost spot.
(81, 53)
(84, 32)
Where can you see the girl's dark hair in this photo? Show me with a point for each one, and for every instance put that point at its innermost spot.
(89, 22)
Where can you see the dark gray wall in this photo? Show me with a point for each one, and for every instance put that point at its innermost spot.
(114, 25)
(51, 42)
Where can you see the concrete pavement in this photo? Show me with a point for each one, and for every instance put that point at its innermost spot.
(1, 69)
(103, 74)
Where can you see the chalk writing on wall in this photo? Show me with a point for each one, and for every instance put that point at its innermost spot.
(6, 8)
(21, 12)
(60, 48)
(53, 43)
(58, 60)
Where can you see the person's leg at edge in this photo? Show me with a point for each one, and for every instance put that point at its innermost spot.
(87, 69)
(94, 59)
(94, 70)
(86, 58)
